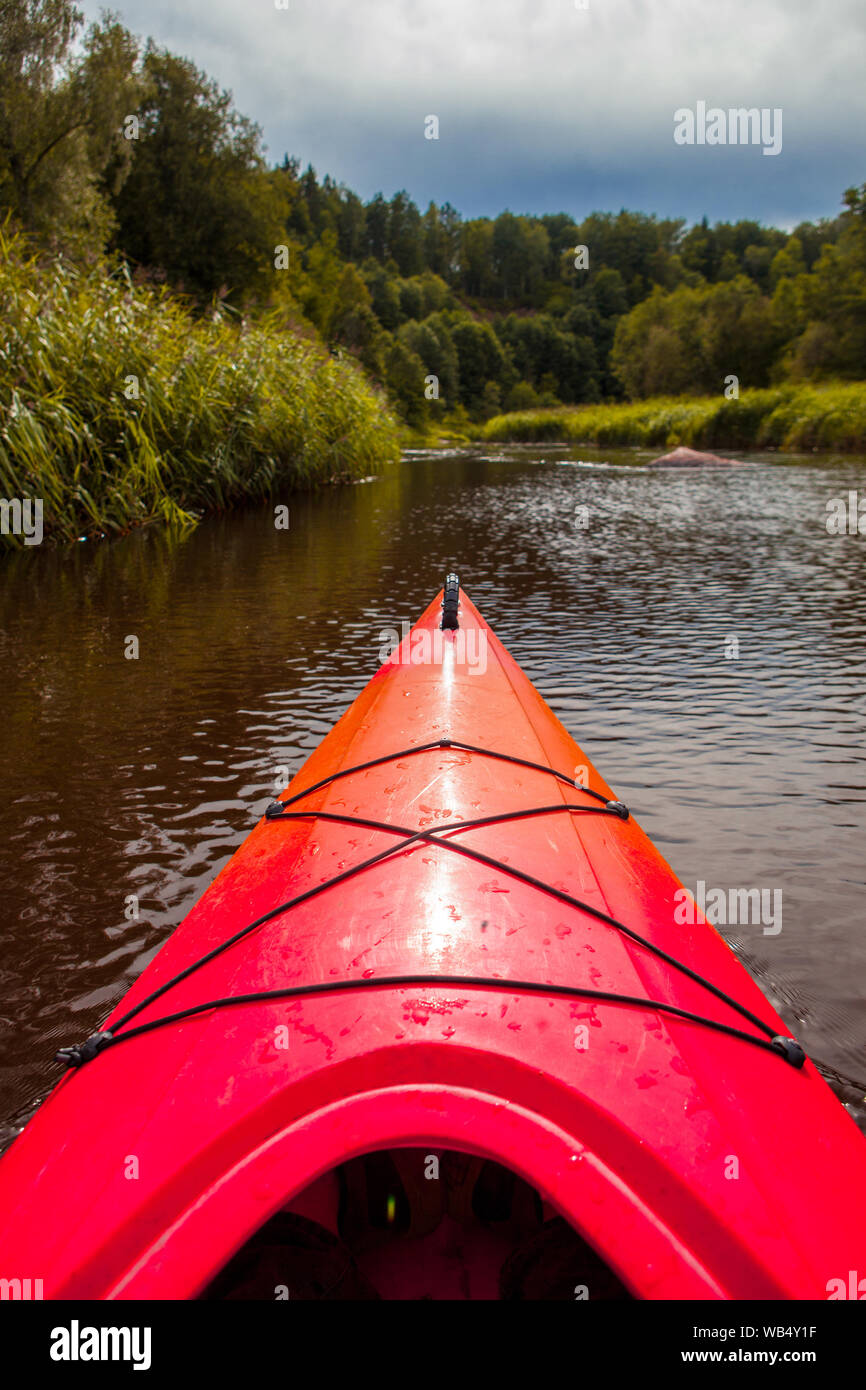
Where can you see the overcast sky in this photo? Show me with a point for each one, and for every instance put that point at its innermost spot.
(542, 106)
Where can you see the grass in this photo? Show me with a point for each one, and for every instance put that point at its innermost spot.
(829, 416)
(225, 411)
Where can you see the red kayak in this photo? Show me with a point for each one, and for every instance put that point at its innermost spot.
(438, 1030)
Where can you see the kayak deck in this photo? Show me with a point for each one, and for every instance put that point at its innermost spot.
(664, 1144)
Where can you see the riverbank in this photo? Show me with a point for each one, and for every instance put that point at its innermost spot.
(799, 418)
(119, 405)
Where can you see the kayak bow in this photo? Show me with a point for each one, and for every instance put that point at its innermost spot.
(441, 987)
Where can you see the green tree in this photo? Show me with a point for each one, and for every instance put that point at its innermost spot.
(435, 293)
(699, 250)
(522, 396)
(62, 146)
(834, 300)
(540, 347)
(432, 342)
(351, 226)
(352, 322)
(287, 180)
(651, 354)
(384, 286)
(638, 246)
(411, 299)
(480, 357)
(198, 203)
(405, 234)
(441, 228)
(404, 378)
(693, 338)
(814, 236)
(376, 228)
(520, 248)
(788, 262)
(491, 400)
(477, 277)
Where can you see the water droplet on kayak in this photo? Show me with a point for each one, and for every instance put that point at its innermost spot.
(366, 974)
(694, 1104)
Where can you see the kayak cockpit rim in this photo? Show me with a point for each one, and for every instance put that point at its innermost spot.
(595, 1200)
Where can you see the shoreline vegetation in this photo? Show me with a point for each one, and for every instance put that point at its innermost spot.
(804, 418)
(124, 403)
(119, 405)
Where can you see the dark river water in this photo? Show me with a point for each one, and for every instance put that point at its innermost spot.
(141, 777)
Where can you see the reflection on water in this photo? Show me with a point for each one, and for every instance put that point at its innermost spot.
(140, 777)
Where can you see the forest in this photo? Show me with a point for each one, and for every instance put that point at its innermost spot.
(117, 151)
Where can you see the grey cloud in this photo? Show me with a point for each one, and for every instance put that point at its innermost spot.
(543, 106)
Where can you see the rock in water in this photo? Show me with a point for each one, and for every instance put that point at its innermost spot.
(690, 458)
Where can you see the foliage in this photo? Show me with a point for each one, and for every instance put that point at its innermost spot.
(118, 405)
(62, 148)
(830, 416)
(197, 202)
